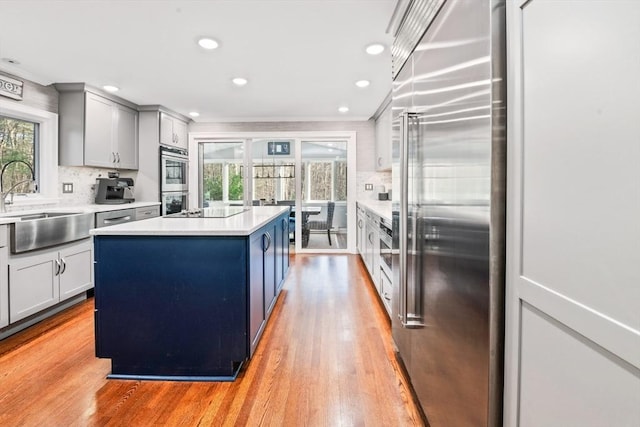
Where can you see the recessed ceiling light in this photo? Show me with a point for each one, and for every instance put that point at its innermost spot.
(207, 43)
(363, 83)
(239, 81)
(194, 114)
(343, 109)
(375, 49)
(110, 88)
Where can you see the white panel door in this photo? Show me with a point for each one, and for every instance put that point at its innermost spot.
(33, 285)
(99, 131)
(573, 234)
(76, 274)
(127, 149)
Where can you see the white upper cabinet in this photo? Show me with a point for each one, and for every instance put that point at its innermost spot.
(96, 130)
(383, 140)
(127, 132)
(173, 132)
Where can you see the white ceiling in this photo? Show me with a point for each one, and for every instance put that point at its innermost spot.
(301, 57)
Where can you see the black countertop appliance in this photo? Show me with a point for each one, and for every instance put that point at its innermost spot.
(114, 191)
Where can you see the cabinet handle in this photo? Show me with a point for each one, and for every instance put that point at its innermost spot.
(118, 154)
(57, 267)
(268, 245)
(379, 161)
(114, 157)
(360, 223)
(371, 238)
(285, 222)
(64, 265)
(117, 220)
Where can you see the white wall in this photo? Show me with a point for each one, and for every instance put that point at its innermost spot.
(573, 232)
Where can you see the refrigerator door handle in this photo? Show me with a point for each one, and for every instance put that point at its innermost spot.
(409, 308)
(402, 236)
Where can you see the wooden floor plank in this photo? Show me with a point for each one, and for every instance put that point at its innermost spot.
(326, 359)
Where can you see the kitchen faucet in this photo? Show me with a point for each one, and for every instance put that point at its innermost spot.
(3, 195)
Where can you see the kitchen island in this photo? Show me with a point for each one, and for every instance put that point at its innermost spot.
(187, 298)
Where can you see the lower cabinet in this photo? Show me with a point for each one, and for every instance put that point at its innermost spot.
(282, 251)
(257, 318)
(368, 240)
(371, 254)
(267, 255)
(361, 230)
(44, 278)
(4, 278)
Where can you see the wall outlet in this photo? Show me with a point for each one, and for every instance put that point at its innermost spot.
(67, 187)
(368, 187)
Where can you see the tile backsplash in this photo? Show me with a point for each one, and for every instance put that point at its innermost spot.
(83, 180)
(377, 179)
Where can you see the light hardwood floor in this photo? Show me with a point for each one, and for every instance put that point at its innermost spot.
(325, 359)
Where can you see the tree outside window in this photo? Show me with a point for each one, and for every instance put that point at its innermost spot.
(325, 180)
(213, 181)
(18, 139)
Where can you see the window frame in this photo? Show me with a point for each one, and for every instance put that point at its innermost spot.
(46, 153)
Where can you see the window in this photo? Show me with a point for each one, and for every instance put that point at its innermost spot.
(327, 180)
(221, 175)
(44, 150)
(18, 148)
(217, 175)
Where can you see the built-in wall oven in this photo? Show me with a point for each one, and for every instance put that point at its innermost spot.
(174, 168)
(174, 179)
(174, 202)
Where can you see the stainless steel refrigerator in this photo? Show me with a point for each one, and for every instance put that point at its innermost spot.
(449, 169)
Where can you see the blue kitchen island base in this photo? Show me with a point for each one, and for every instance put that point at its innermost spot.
(183, 308)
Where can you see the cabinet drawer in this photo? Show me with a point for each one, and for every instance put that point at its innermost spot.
(147, 212)
(104, 219)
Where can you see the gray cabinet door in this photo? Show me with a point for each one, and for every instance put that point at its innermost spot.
(99, 131)
(181, 134)
(127, 137)
(166, 130)
(4, 279)
(360, 235)
(75, 271)
(34, 285)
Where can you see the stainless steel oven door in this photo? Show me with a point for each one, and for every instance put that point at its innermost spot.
(174, 168)
(174, 202)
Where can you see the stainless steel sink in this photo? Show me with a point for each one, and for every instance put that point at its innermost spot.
(44, 229)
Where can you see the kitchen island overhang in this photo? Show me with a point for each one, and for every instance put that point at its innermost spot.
(187, 299)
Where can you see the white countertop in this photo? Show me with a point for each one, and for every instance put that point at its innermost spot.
(10, 217)
(382, 208)
(241, 224)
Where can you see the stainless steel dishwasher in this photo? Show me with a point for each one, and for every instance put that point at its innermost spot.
(104, 219)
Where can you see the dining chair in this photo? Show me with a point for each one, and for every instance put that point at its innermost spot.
(325, 224)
